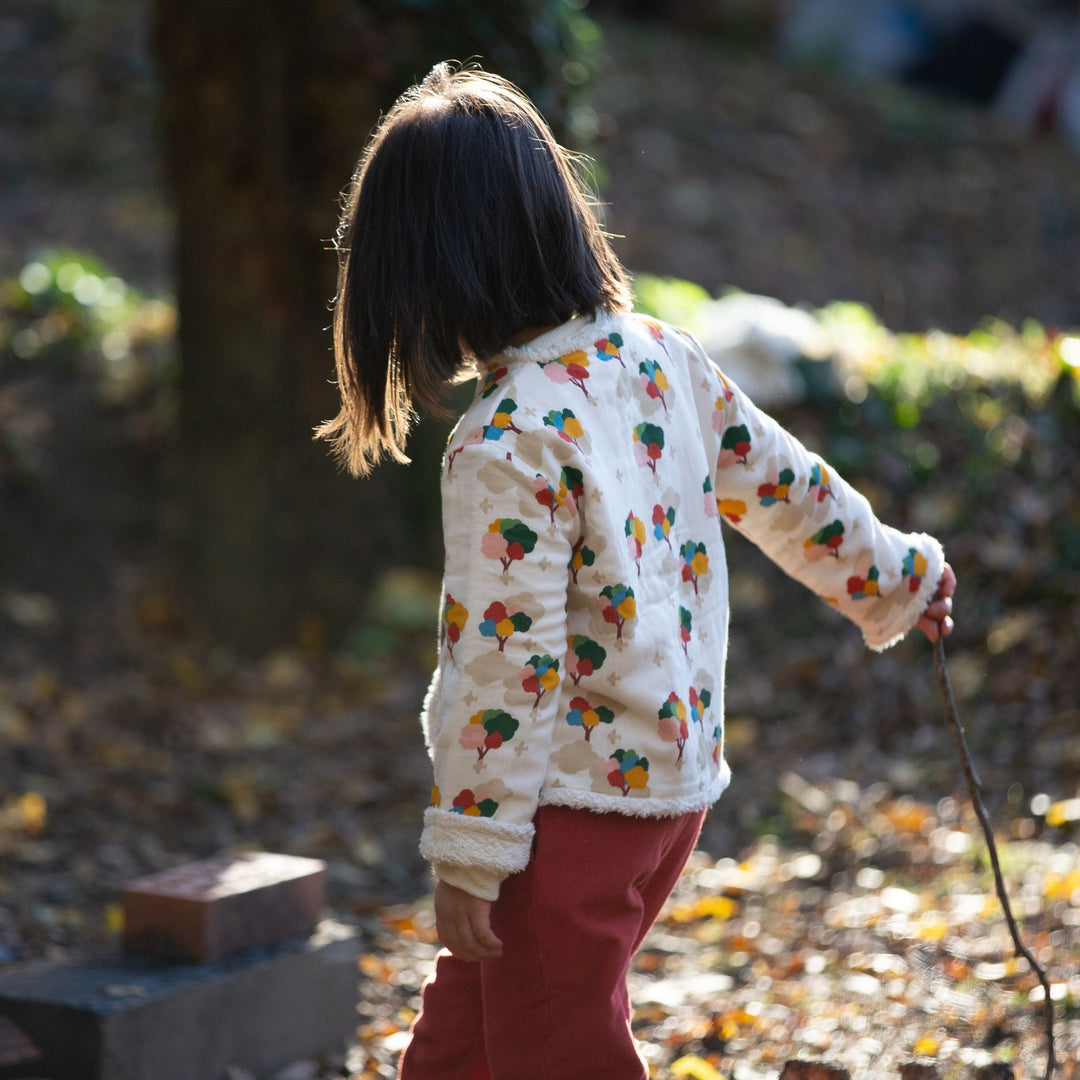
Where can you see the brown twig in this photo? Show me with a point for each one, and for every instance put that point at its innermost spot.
(974, 788)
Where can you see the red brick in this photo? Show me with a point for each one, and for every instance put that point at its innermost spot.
(205, 910)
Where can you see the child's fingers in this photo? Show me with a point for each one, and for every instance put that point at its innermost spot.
(463, 923)
(483, 936)
(936, 620)
(947, 584)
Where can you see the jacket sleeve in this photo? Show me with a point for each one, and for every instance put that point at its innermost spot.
(814, 525)
(509, 528)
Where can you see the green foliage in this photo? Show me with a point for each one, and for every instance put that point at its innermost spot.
(671, 299)
(68, 310)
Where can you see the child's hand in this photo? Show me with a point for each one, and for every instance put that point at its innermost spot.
(463, 922)
(936, 620)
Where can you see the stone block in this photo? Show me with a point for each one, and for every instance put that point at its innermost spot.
(205, 910)
(140, 1018)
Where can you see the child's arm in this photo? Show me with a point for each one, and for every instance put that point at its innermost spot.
(490, 715)
(820, 530)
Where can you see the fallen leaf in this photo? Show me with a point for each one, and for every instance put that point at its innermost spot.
(695, 1067)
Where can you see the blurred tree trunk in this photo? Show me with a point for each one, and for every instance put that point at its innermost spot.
(266, 105)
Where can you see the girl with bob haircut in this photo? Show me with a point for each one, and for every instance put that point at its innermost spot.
(575, 718)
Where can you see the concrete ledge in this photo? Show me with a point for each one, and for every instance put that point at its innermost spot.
(134, 1018)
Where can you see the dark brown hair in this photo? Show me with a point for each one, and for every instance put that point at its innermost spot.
(465, 223)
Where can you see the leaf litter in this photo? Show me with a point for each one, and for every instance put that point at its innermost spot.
(782, 956)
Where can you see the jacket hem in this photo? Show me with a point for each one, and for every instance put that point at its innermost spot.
(599, 803)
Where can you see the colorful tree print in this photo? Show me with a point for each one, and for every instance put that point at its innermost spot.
(717, 742)
(635, 538)
(571, 488)
(733, 509)
(819, 478)
(734, 446)
(710, 497)
(546, 495)
(454, 618)
(663, 518)
(465, 803)
(474, 438)
(580, 557)
(699, 702)
(695, 562)
(630, 771)
(501, 422)
(648, 445)
(653, 381)
(607, 348)
(584, 657)
(672, 726)
(617, 604)
(491, 381)
(584, 715)
(719, 416)
(686, 623)
(567, 426)
(487, 730)
(507, 540)
(500, 622)
(538, 676)
(572, 368)
(914, 569)
(771, 494)
(859, 588)
(574, 482)
(656, 333)
(826, 541)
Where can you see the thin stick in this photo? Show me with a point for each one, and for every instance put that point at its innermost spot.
(988, 831)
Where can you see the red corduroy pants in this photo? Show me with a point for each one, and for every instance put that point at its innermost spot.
(555, 1006)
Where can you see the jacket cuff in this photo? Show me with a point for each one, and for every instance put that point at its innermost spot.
(483, 884)
(496, 848)
(880, 638)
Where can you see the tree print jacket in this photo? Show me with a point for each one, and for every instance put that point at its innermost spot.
(585, 611)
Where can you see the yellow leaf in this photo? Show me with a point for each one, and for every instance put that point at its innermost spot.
(1061, 886)
(707, 907)
(694, 1067)
(927, 1046)
(114, 918)
(1061, 813)
(32, 810)
(933, 928)
(717, 907)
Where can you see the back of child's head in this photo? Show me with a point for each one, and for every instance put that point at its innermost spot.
(465, 223)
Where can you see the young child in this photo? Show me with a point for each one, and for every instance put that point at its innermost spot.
(575, 721)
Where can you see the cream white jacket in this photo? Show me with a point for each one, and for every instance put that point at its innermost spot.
(585, 614)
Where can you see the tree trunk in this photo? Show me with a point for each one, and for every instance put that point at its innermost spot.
(266, 105)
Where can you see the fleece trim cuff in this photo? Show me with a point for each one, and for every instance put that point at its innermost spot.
(478, 843)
